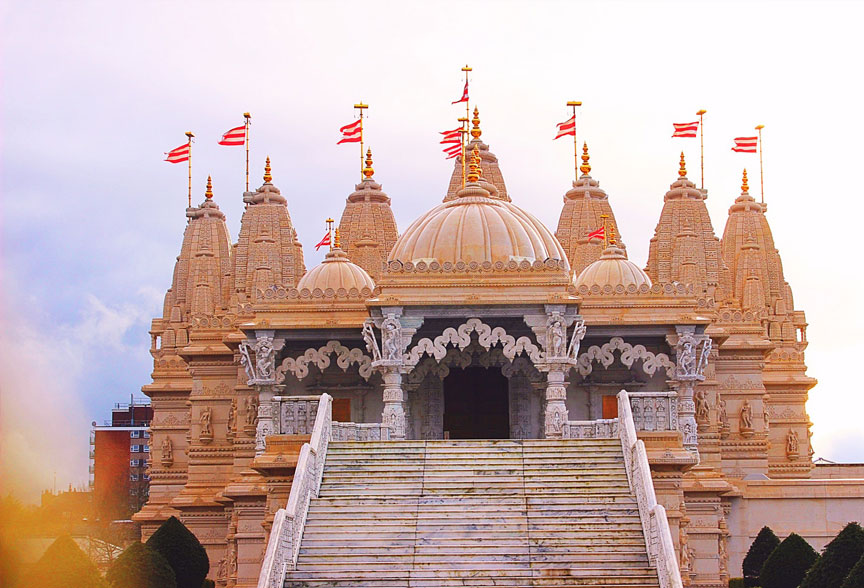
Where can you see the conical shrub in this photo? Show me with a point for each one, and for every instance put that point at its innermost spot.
(141, 567)
(855, 578)
(766, 542)
(788, 563)
(184, 553)
(837, 559)
(64, 565)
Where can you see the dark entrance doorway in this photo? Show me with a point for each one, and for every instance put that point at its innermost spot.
(476, 404)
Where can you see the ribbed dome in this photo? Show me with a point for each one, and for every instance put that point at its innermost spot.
(475, 227)
(612, 269)
(336, 272)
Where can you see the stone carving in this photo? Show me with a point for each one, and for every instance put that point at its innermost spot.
(654, 411)
(686, 559)
(745, 419)
(792, 444)
(604, 354)
(766, 420)
(461, 337)
(232, 416)
(167, 452)
(299, 367)
(246, 360)
(723, 418)
(206, 422)
(555, 337)
(391, 339)
(579, 330)
(265, 358)
(251, 411)
(222, 571)
(371, 341)
(692, 357)
(702, 408)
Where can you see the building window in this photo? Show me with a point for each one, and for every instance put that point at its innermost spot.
(136, 449)
(146, 434)
(133, 477)
(145, 477)
(134, 434)
(146, 448)
(135, 463)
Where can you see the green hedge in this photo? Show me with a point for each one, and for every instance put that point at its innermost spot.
(855, 579)
(838, 559)
(64, 565)
(141, 567)
(766, 542)
(787, 565)
(184, 553)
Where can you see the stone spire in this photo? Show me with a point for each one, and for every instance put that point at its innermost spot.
(268, 252)
(684, 247)
(584, 206)
(368, 227)
(491, 173)
(201, 284)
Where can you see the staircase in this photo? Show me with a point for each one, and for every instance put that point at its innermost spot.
(435, 514)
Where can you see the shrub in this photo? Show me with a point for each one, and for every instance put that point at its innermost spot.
(855, 579)
(788, 563)
(766, 542)
(208, 584)
(736, 583)
(837, 559)
(64, 565)
(141, 567)
(184, 553)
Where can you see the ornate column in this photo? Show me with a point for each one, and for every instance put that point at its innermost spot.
(258, 410)
(691, 352)
(389, 361)
(558, 357)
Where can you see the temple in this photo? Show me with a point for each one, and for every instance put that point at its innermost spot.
(480, 401)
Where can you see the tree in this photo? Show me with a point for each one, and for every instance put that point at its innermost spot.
(141, 567)
(184, 553)
(855, 579)
(64, 565)
(837, 559)
(766, 542)
(788, 563)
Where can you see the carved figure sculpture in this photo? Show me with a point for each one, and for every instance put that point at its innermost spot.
(391, 338)
(371, 341)
(206, 421)
(167, 451)
(702, 407)
(555, 336)
(703, 357)
(687, 356)
(722, 415)
(252, 411)
(222, 570)
(791, 443)
(746, 416)
(765, 417)
(685, 551)
(246, 360)
(579, 330)
(265, 358)
(232, 416)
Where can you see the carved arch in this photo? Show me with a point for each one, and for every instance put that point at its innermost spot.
(604, 354)
(471, 357)
(320, 357)
(461, 337)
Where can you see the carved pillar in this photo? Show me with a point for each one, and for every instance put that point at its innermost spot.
(394, 402)
(691, 358)
(260, 418)
(389, 361)
(556, 415)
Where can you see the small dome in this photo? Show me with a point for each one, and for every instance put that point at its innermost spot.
(335, 272)
(612, 269)
(475, 227)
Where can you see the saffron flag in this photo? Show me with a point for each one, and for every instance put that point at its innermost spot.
(568, 127)
(746, 144)
(352, 133)
(464, 97)
(685, 130)
(179, 154)
(598, 234)
(324, 241)
(453, 154)
(235, 136)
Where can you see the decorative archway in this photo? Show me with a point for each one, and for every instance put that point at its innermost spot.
(487, 337)
(605, 356)
(320, 357)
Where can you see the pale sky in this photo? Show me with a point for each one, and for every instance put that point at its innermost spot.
(93, 93)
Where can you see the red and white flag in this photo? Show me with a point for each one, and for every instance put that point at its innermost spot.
(746, 144)
(352, 133)
(178, 154)
(454, 136)
(323, 242)
(568, 127)
(598, 234)
(685, 130)
(235, 136)
(464, 97)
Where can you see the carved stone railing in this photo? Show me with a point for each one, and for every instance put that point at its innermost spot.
(288, 524)
(655, 526)
(654, 411)
(360, 432)
(296, 414)
(599, 429)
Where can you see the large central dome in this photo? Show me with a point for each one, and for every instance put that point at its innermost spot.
(475, 227)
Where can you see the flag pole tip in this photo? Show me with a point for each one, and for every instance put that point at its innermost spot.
(574, 103)
(701, 112)
(682, 167)
(189, 134)
(759, 127)
(247, 115)
(209, 193)
(268, 177)
(585, 168)
(368, 171)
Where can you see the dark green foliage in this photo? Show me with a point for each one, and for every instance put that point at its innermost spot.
(736, 583)
(787, 564)
(766, 542)
(64, 565)
(837, 559)
(855, 579)
(184, 553)
(141, 567)
(208, 584)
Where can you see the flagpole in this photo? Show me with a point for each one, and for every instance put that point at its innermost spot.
(702, 147)
(190, 135)
(248, 117)
(466, 69)
(463, 136)
(361, 107)
(761, 177)
(330, 222)
(574, 104)
(605, 231)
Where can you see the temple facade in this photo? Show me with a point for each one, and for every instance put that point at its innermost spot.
(479, 323)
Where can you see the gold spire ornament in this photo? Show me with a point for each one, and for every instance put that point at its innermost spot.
(368, 171)
(337, 242)
(604, 218)
(586, 167)
(682, 168)
(475, 131)
(463, 135)
(209, 193)
(744, 187)
(267, 176)
(474, 172)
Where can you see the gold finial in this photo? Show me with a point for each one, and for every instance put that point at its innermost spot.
(476, 132)
(368, 171)
(585, 168)
(267, 177)
(744, 186)
(209, 193)
(337, 244)
(611, 234)
(682, 169)
(474, 171)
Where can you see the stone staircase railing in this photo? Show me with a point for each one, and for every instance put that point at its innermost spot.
(655, 525)
(284, 543)
(599, 429)
(360, 432)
